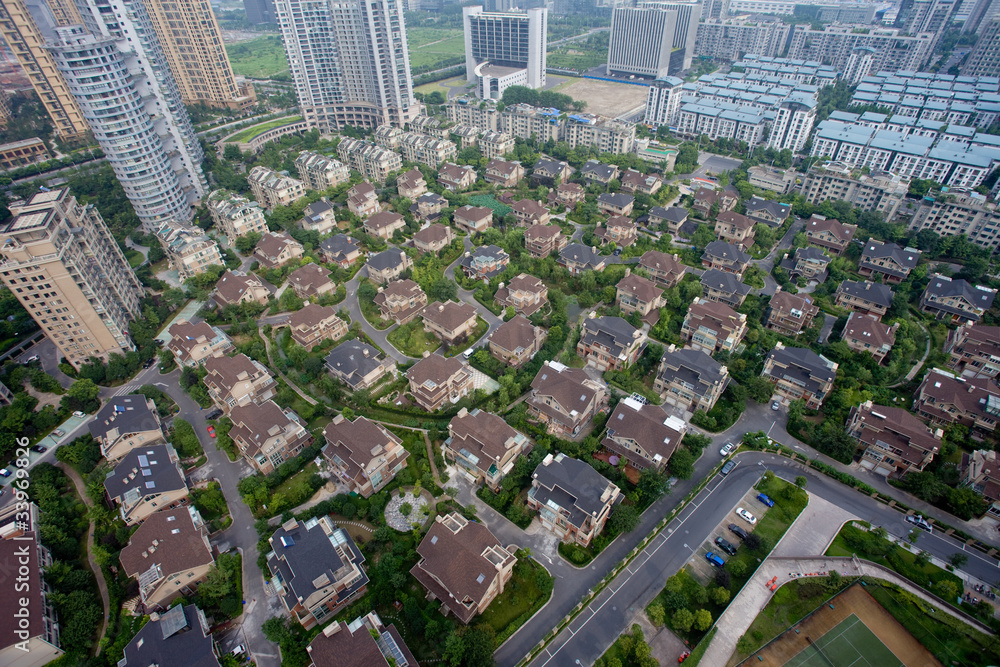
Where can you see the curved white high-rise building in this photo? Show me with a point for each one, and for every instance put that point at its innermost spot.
(98, 77)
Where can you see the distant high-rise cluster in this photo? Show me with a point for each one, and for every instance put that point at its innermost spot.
(349, 62)
(653, 39)
(504, 49)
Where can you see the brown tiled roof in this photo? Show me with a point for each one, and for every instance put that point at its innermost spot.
(225, 372)
(363, 189)
(435, 368)
(309, 278)
(570, 187)
(530, 207)
(456, 561)
(404, 288)
(620, 221)
(896, 427)
(474, 213)
(453, 172)
(450, 314)
(254, 424)
(868, 329)
(503, 166)
(741, 222)
(383, 219)
(345, 649)
(785, 302)
(542, 232)
(357, 442)
(526, 283)
(637, 178)
(717, 314)
(310, 315)
(410, 178)
(969, 396)
(184, 335)
(175, 552)
(514, 334)
(643, 288)
(232, 286)
(661, 261)
(568, 387)
(272, 243)
(483, 434)
(645, 426)
(435, 233)
(842, 232)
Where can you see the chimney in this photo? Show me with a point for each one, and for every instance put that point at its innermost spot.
(426, 354)
(366, 353)
(463, 412)
(441, 308)
(338, 419)
(628, 272)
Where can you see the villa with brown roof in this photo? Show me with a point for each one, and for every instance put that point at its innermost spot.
(956, 300)
(565, 399)
(277, 248)
(864, 333)
(191, 344)
(364, 454)
(239, 380)
(384, 224)
(664, 269)
(615, 203)
(572, 499)
(974, 350)
(705, 198)
(388, 265)
(635, 181)
(473, 218)
(619, 230)
(887, 260)
(639, 295)
(516, 341)
(809, 263)
(400, 300)
(610, 343)
(830, 234)
(713, 327)
(169, 555)
(690, 379)
(529, 212)
(463, 565)
(436, 379)
(451, 321)
(411, 184)
(543, 240)
(320, 217)
(593, 172)
(266, 435)
(643, 434)
(790, 314)
(943, 399)
(340, 249)
(455, 178)
(725, 257)
(547, 171)
(800, 373)
(125, 423)
(527, 294)
(483, 447)
(433, 238)
(503, 173)
(735, 228)
(358, 365)
(669, 219)
(311, 281)
(895, 441)
(314, 324)
(362, 200)
(236, 288)
(428, 206)
(566, 194)
(864, 297)
(364, 642)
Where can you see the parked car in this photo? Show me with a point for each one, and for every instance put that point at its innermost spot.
(58, 433)
(726, 469)
(776, 406)
(214, 414)
(726, 448)
(765, 499)
(737, 531)
(746, 516)
(41, 449)
(5, 473)
(79, 414)
(714, 559)
(211, 431)
(919, 522)
(726, 545)
(31, 359)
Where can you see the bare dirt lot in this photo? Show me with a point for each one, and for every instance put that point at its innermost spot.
(606, 98)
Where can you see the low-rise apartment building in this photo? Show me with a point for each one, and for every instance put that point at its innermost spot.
(371, 161)
(643, 434)
(956, 300)
(272, 189)
(974, 350)
(865, 333)
(125, 423)
(610, 343)
(877, 191)
(358, 365)
(400, 300)
(320, 172)
(191, 344)
(313, 324)
(189, 250)
(690, 379)
(864, 297)
(238, 381)
(364, 454)
(235, 215)
(526, 294)
(790, 314)
(894, 441)
(146, 480)
(516, 341)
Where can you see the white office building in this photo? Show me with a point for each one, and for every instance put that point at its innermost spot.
(349, 61)
(653, 39)
(504, 49)
(121, 82)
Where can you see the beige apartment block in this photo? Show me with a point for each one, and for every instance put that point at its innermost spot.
(235, 215)
(190, 251)
(27, 43)
(320, 172)
(272, 189)
(192, 43)
(62, 264)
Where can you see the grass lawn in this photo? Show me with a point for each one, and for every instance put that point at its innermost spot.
(134, 257)
(477, 333)
(440, 86)
(412, 340)
(256, 130)
(435, 48)
(211, 504)
(522, 596)
(259, 58)
(296, 488)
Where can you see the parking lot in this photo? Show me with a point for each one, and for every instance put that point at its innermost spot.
(714, 164)
(700, 568)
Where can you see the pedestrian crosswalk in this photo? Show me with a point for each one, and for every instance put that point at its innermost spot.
(129, 388)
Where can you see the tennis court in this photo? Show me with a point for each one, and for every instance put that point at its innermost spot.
(849, 644)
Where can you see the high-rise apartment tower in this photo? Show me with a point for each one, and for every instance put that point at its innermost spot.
(653, 39)
(259, 11)
(349, 62)
(61, 262)
(26, 39)
(984, 59)
(504, 49)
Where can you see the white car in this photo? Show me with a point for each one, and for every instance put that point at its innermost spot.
(726, 448)
(79, 414)
(746, 516)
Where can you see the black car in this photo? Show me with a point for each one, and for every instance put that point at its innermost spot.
(214, 414)
(726, 546)
(739, 532)
(41, 449)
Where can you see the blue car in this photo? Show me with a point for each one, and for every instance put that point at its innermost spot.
(714, 559)
(764, 499)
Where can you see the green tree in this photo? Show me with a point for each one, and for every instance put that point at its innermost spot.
(82, 395)
(719, 595)
(623, 519)
(656, 613)
(681, 464)
(683, 619)
(958, 559)
(702, 620)
(245, 244)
